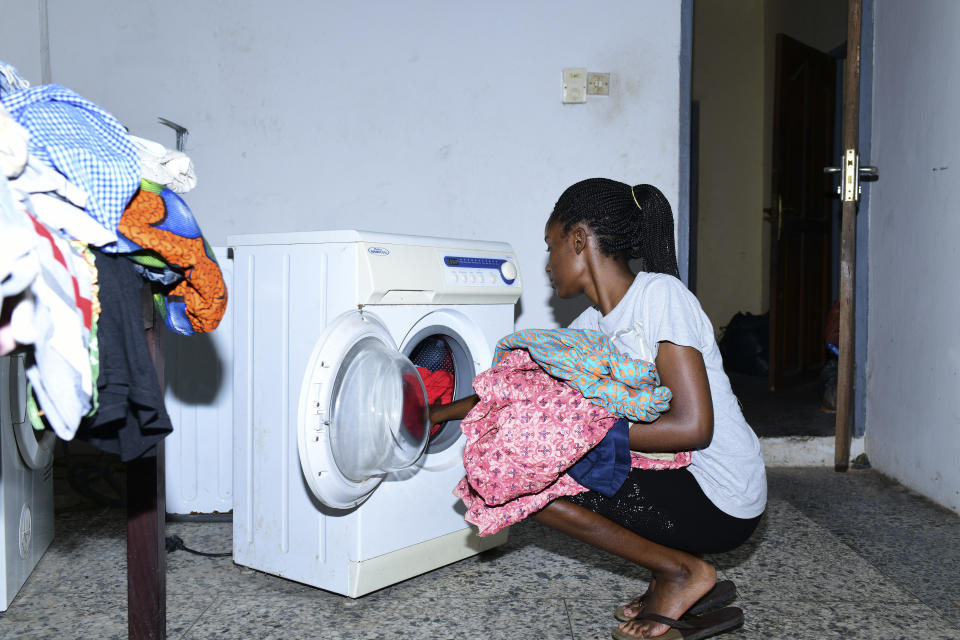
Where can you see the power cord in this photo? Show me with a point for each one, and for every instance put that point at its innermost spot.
(175, 542)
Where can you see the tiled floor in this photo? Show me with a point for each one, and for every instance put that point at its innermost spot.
(792, 410)
(850, 555)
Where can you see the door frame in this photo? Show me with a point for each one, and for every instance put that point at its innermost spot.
(685, 247)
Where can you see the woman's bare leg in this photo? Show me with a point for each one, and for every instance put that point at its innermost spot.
(681, 578)
(637, 604)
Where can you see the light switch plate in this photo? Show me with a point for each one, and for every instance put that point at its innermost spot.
(574, 85)
(598, 84)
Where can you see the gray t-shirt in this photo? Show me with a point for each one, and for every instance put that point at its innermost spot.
(658, 308)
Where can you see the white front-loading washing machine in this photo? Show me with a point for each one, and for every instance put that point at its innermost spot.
(26, 483)
(338, 482)
(198, 466)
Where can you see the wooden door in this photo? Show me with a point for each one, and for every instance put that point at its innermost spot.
(801, 194)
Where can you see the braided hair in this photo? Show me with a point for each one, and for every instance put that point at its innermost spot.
(628, 222)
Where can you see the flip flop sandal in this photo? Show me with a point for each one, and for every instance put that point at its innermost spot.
(693, 628)
(722, 593)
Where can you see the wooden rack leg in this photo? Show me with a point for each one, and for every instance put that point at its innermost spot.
(146, 549)
(146, 513)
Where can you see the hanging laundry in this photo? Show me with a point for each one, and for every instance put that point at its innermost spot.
(131, 418)
(587, 360)
(86, 144)
(525, 432)
(18, 263)
(19, 267)
(13, 145)
(58, 368)
(48, 297)
(47, 194)
(59, 204)
(158, 224)
(10, 79)
(172, 169)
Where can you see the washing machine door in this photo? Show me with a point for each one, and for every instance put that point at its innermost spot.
(363, 411)
(36, 448)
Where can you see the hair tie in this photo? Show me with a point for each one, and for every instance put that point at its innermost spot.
(635, 199)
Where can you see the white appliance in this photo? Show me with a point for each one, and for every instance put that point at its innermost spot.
(198, 377)
(26, 483)
(330, 487)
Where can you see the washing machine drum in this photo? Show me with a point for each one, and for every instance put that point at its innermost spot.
(363, 411)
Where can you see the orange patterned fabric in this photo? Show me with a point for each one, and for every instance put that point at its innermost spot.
(202, 290)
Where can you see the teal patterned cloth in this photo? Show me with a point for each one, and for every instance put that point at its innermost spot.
(587, 360)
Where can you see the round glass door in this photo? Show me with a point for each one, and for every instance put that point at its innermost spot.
(363, 411)
(35, 447)
(378, 422)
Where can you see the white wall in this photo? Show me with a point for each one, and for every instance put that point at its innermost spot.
(425, 117)
(728, 82)
(733, 78)
(913, 377)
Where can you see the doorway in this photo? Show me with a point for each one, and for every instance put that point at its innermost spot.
(765, 247)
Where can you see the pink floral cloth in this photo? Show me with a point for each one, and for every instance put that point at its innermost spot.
(525, 432)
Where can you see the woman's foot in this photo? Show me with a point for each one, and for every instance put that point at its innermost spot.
(722, 594)
(634, 607)
(675, 593)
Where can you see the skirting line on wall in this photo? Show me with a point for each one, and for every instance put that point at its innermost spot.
(804, 451)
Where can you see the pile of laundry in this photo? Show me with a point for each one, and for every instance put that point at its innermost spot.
(88, 215)
(552, 421)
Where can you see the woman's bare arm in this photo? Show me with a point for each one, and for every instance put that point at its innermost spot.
(456, 410)
(689, 422)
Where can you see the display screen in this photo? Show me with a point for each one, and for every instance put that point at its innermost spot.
(473, 263)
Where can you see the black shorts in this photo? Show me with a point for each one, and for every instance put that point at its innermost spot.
(669, 508)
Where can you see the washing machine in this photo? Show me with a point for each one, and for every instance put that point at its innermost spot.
(339, 480)
(198, 377)
(26, 483)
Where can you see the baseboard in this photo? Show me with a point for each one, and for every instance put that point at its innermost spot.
(804, 451)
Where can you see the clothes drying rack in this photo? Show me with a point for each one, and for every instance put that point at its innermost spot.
(146, 512)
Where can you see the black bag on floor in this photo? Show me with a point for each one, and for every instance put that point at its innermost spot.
(745, 345)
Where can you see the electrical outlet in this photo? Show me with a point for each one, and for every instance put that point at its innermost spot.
(598, 84)
(574, 86)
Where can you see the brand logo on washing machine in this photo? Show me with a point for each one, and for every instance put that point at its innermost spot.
(378, 251)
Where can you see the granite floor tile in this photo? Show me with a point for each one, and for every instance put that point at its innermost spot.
(91, 614)
(540, 563)
(826, 620)
(796, 559)
(852, 555)
(906, 537)
(766, 620)
(188, 573)
(82, 564)
(591, 618)
(290, 618)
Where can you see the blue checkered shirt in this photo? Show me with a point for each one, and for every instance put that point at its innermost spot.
(83, 142)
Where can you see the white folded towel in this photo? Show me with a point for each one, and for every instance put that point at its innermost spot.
(172, 169)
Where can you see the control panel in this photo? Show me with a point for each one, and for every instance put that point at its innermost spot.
(478, 272)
